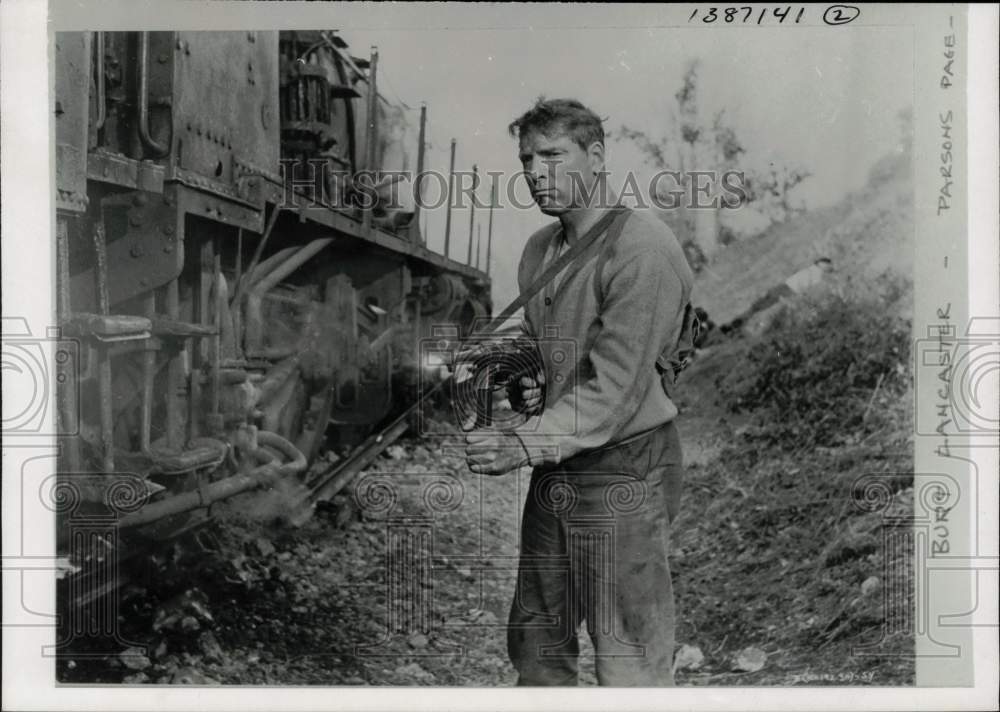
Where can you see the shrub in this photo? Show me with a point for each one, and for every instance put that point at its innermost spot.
(828, 368)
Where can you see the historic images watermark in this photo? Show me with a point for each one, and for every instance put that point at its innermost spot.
(419, 559)
(480, 372)
(317, 182)
(33, 364)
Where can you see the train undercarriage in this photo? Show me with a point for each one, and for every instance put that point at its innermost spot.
(231, 322)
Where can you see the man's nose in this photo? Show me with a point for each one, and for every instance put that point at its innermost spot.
(535, 169)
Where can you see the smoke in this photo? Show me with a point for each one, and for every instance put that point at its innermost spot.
(276, 502)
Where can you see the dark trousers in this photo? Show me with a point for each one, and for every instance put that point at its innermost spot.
(594, 542)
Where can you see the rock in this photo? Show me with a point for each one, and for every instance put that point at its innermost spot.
(137, 679)
(354, 680)
(418, 640)
(750, 660)
(263, 546)
(343, 510)
(415, 671)
(161, 649)
(188, 605)
(190, 624)
(199, 608)
(190, 676)
(285, 556)
(396, 452)
(870, 585)
(481, 617)
(210, 647)
(465, 572)
(165, 620)
(134, 658)
(689, 657)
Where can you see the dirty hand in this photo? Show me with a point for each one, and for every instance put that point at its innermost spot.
(532, 392)
(494, 453)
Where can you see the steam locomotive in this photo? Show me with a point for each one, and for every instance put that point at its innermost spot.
(243, 302)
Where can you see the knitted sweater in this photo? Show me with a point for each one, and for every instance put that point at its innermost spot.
(602, 385)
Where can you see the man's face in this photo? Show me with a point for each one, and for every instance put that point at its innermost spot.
(559, 172)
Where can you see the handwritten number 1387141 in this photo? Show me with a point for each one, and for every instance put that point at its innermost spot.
(745, 15)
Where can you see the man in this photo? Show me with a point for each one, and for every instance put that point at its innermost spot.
(605, 451)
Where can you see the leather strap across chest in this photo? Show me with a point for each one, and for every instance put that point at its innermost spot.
(578, 248)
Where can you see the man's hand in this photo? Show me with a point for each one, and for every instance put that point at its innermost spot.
(494, 453)
(526, 395)
(532, 393)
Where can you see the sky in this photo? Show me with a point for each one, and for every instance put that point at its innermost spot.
(823, 98)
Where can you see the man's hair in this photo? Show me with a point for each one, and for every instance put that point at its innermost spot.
(553, 116)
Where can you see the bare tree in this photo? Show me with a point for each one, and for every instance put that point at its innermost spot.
(692, 142)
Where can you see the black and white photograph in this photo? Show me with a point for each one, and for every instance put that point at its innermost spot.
(444, 345)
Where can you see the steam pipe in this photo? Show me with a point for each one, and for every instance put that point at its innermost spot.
(254, 320)
(228, 487)
(223, 489)
(238, 292)
(158, 149)
(265, 267)
(296, 460)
